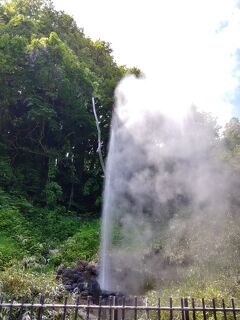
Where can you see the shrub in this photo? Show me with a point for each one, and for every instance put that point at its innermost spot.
(15, 281)
(83, 245)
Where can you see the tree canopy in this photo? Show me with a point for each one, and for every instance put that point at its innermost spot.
(49, 71)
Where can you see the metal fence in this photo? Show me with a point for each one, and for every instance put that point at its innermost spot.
(120, 308)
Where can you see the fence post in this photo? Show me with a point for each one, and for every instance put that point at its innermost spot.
(135, 308)
(171, 308)
(182, 308)
(65, 308)
(193, 306)
(233, 308)
(214, 309)
(115, 311)
(224, 309)
(100, 308)
(159, 309)
(40, 310)
(1, 302)
(76, 309)
(186, 312)
(204, 309)
(123, 307)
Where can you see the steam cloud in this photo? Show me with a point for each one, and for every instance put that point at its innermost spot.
(167, 192)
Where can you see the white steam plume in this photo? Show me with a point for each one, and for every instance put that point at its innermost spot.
(165, 174)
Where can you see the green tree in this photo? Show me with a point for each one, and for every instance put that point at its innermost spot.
(49, 71)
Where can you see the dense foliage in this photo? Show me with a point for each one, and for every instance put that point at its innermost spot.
(50, 176)
(48, 138)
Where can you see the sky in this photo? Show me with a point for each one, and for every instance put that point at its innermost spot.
(186, 48)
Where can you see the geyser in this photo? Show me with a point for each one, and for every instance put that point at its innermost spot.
(166, 186)
(162, 174)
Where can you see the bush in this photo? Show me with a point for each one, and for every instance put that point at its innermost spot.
(11, 227)
(9, 251)
(47, 235)
(54, 226)
(83, 245)
(15, 281)
(24, 286)
(11, 222)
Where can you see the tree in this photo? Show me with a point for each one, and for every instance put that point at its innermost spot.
(48, 73)
(232, 134)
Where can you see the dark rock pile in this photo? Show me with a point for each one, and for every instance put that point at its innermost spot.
(82, 279)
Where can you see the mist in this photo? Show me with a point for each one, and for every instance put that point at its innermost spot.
(167, 198)
(166, 195)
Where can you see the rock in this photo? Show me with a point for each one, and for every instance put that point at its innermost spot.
(82, 279)
(81, 265)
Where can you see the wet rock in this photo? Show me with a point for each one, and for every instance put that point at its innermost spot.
(82, 279)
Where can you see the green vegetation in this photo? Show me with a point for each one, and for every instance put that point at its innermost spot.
(39, 238)
(50, 176)
(48, 139)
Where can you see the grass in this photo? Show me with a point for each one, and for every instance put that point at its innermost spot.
(196, 285)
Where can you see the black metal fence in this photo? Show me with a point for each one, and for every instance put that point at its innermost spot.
(119, 308)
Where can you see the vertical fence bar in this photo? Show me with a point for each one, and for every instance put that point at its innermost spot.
(214, 309)
(100, 308)
(113, 310)
(182, 309)
(135, 308)
(123, 308)
(76, 307)
(40, 310)
(115, 316)
(21, 308)
(110, 308)
(204, 309)
(193, 307)
(186, 312)
(224, 309)
(32, 307)
(233, 309)
(147, 311)
(88, 307)
(11, 307)
(171, 308)
(54, 310)
(1, 302)
(159, 309)
(65, 308)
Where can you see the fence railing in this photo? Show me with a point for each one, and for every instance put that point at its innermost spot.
(118, 308)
